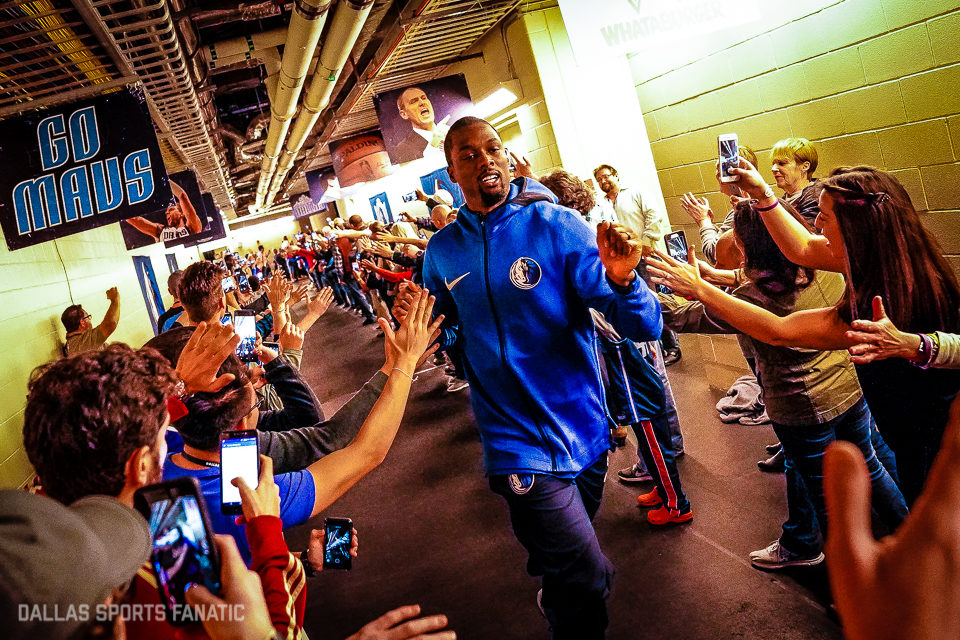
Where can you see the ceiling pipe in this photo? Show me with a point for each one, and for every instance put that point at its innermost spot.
(306, 23)
(344, 30)
(234, 50)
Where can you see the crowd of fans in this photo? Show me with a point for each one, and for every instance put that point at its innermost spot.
(846, 311)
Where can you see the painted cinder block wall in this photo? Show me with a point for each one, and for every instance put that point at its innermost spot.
(872, 82)
(35, 288)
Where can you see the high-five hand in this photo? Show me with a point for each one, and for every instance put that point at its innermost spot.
(409, 345)
(875, 582)
(208, 347)
(620, 252)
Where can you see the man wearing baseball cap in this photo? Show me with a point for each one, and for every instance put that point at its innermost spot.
(61, 567)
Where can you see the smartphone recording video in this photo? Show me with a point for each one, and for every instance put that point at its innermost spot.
(336, 543)
(410, 197)
(729, 156)
(245, 326)
(183, 549)
(677, 249)
(239, 458)
(228, 284)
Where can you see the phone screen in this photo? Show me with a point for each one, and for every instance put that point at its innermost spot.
(677, 249)
(729, 157)
(676, 245)
(410, 197)
(337, 541)
(239, 458)
(183, 549)
(228, 284)
(246, 327)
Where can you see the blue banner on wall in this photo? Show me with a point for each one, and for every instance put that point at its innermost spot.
(381, 208)
(79, 166)
(440, 179)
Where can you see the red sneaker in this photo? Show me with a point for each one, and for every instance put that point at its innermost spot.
(664, 516)
(651, 499)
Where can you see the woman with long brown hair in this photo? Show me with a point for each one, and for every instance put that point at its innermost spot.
(873, 235)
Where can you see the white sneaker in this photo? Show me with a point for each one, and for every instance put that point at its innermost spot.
(456, 384)
(777, 557)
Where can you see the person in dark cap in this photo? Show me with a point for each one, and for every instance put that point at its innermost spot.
(61, 567)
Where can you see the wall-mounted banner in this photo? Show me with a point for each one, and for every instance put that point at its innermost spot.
(620, 27)
(381, 208)
(304, 205)
(324, 186)
(361, 158)
(214, 217)
(440, 179)
(180, 217)
(415, 119)
(77, 167)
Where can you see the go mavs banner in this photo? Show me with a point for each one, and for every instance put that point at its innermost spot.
(79, 166)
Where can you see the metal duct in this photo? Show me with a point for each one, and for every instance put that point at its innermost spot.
(234, 50)
(347, 22)
(306, 23)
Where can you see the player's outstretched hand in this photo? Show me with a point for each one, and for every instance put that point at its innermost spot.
(620, 252)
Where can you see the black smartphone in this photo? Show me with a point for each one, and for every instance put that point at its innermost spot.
(336, 543)
(245, 325)
(677, 249)
(410, 197)
(239, 458)
(183, 548)
(228, 284)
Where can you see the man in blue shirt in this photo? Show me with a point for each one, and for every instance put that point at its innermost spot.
(516, 277)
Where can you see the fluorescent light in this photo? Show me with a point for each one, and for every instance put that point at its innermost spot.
(494, 103)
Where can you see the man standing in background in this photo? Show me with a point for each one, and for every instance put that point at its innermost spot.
(81, 334)
(649, 225)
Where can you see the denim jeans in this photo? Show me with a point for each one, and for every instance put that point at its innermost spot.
(803, 449)
(553, 519)
(358, 298)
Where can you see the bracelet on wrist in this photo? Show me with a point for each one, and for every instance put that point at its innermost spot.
(770, 207)
(412, 378)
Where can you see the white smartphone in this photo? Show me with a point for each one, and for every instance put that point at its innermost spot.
(729, 156)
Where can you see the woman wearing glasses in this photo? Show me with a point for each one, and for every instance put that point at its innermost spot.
(873, 236)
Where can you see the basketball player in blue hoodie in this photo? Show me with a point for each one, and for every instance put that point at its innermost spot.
(516, 277)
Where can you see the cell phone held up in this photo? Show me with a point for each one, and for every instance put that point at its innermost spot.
(183, 549)
(337, 540)
(239, 458)
(245, 326)
(729, 156)
(678, 250)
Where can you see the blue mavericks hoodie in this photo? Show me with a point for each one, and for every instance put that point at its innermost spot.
(519, 282)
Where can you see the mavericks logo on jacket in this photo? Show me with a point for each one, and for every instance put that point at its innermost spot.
(525, 273)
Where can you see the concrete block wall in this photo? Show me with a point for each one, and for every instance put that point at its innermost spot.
(507, 55)
(869, 81)
(35, 287)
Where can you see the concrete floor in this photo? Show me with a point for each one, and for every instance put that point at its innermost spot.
(431, 532)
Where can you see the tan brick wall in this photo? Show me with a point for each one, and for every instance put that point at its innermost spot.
(34, 292)
(869, 81)
(507, 51)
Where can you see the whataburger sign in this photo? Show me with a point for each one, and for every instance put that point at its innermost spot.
(620, 27)
(77, 167)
